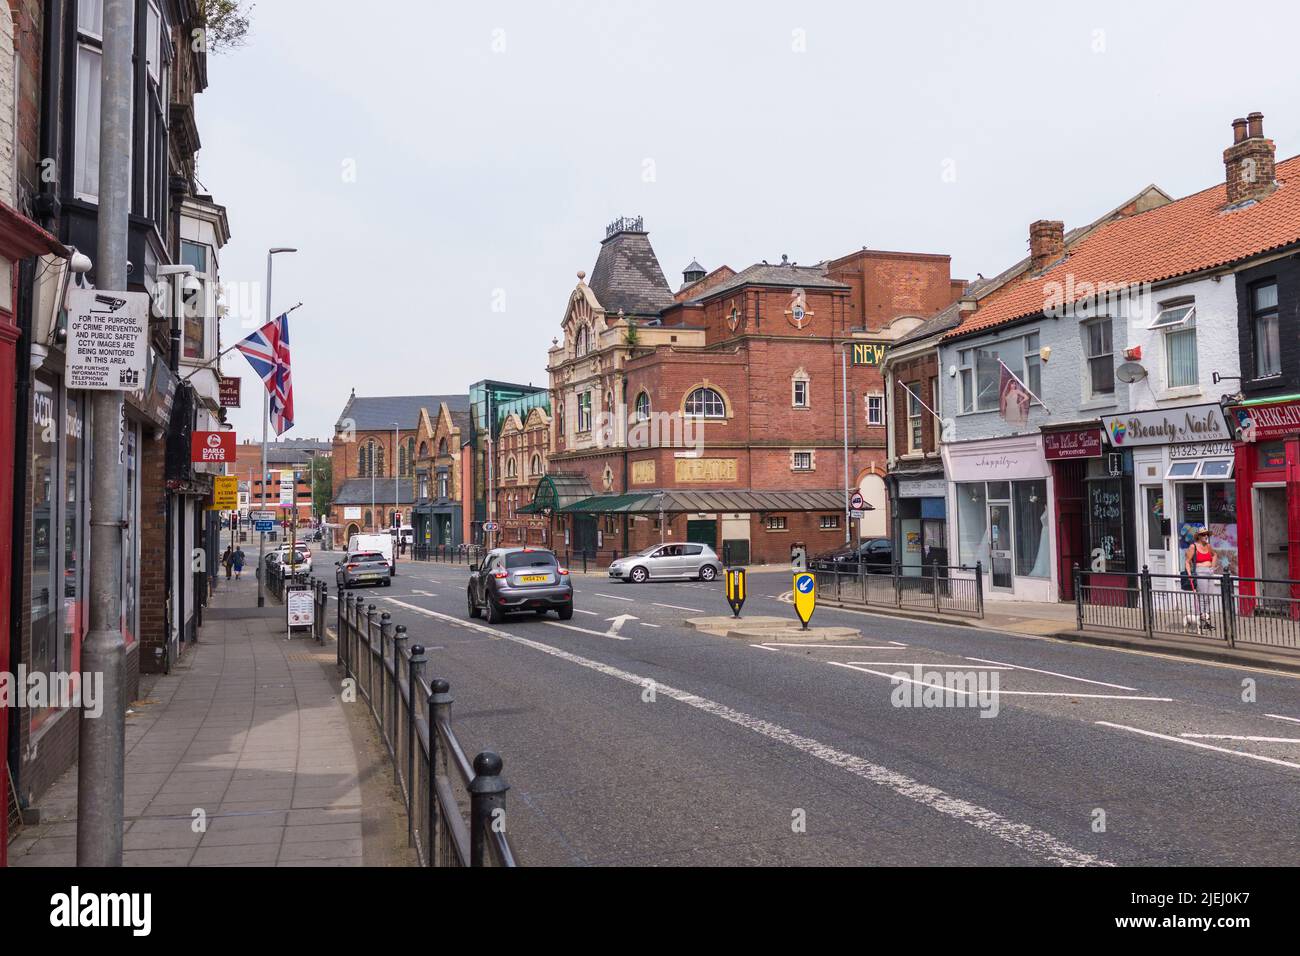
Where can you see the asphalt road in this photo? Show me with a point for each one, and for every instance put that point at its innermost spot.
(644, 742)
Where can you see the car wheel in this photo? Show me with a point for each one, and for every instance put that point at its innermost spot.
(708, 572)
(493, 612)
(639, 575)
(388, 583)
(473, 610)
(566, 613)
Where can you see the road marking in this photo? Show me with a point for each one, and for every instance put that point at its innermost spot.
(926, 664)
(1021, 835)
(1194, 743)
(832, 647)
(1295, 720)
(1004, 693)
(616, 623)
(1262, 740)
(578, 610)
(615, 597)
(585, 630)
(425, 593)
(678, 607)
(648, 624)
(1019, 667)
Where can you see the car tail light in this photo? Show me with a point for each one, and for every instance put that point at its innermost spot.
(353, 567)
(564, 572)
(499, 575)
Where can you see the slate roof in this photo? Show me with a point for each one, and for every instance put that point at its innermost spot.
(627, 276)
(372, 413)
(791, 276)
(356, 491)
(1186, 236)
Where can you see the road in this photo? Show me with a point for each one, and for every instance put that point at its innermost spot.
(642, 742)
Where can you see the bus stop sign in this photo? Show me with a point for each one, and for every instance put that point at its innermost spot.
(736, 589)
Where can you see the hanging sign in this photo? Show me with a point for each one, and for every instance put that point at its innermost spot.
(225, 493)
(212, 448)
(229, 391)
(108, 348)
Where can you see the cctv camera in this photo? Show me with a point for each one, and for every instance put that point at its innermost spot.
(80, 263)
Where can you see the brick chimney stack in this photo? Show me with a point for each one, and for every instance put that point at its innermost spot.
(1046, 243)
(1250, 162)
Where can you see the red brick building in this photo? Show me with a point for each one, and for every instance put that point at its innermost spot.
(523, 455)
(717, 414)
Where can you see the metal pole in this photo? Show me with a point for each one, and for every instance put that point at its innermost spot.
(102, 740)
(266, 415)
(844, 369)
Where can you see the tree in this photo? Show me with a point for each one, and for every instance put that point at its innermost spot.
(226, 23)
(323, 468)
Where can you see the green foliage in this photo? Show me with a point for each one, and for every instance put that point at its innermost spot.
(227, 23)
(324, 493)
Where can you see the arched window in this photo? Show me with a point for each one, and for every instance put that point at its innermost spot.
(537, 464)
(361, 461)
(642, 411)
(581, 344)
(378, 459)
(369, 519)
(424, 449)
(510, 468)
(442, 448)
(705, 403)
(410, 456)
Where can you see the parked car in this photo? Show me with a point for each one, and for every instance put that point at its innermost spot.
(519, 579)
(362, 567)
(876, 553)
(300, 563)
(668, 561)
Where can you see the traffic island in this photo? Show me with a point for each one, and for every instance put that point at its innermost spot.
(760, 630)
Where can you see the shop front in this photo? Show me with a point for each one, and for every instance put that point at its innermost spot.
(1267, 472)
(1000, 493)
(920, 511)
(1089, 503)
(1179, 476)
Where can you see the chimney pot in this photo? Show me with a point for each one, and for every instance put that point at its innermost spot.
(1255, 123)
(1046, 243)
(1238, 130)
(1250, 162)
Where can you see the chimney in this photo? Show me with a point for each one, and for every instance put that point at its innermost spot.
(1046, 243)
(1250, 162)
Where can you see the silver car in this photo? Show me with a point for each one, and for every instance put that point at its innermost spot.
(668, 561)
(362, 567)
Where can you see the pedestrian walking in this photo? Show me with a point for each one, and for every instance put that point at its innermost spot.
(228, 560)
(239, 563)
(1202, 562)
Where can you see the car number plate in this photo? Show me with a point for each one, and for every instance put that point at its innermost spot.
(534, 578)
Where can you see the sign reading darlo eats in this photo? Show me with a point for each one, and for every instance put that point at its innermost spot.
(212, 448)
(108, 347)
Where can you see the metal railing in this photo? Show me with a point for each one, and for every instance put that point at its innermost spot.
(447, 553)
(1224, 607)
(455, 808)
(938, 588)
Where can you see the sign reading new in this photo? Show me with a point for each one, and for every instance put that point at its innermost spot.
(1167, 426)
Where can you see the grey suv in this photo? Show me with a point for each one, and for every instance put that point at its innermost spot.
(519, 579)
(668, 561)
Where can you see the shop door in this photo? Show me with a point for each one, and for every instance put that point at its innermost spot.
(584, 534)
(1271, 550)
(703, 532)
(1000, 546)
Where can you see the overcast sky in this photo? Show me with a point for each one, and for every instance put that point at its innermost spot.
(446, 169)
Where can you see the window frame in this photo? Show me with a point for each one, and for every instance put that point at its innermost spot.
(1030, 371)
(798, 385)
(878, 400)
(915, 421)
(1090, 357)
(1273, 313)
(708, 411)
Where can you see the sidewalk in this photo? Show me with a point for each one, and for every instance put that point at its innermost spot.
(248, 729)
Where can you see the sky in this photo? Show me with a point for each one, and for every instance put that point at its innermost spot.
(445, 170)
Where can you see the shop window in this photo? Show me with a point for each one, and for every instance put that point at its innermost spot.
(1208, 468)
(972, 524)
(45, 503)
(1264, 327)
(1272, 455)
(1101, 358)
(1210, 505)
(1105, 518)
(1032, 549)
(1004, 526)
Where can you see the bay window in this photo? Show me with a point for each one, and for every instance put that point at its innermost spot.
(980, 370)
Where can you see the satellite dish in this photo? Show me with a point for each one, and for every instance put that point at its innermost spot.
(1130, 372)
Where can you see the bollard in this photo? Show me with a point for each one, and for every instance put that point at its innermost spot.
(414, 668)
(487, 800)
(381, 710)
(399, 647)
(340, 618)
(439, 711)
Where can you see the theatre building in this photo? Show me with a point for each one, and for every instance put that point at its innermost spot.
(717, 414)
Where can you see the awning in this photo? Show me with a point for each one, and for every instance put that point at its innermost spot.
(555, 492)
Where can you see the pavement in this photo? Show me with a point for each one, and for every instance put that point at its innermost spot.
(242, 756)
(629, 737)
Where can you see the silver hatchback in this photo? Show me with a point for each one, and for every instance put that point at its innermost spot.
(668, 561)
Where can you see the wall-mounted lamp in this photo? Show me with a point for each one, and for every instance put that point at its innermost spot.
(952, 371)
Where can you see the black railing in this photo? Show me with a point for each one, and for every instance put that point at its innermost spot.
(1221, 607)
(455, 809)
(447, 553)
(938, 588)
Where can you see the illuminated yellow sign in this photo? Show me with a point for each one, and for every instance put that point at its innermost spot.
(805, 595)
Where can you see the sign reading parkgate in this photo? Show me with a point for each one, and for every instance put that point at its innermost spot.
(805, 596)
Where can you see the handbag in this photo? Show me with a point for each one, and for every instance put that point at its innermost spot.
(1185, 580)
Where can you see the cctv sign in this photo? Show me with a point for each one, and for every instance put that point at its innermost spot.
(107, 348)
(212, 448)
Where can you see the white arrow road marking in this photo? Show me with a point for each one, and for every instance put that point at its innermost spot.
(616, 623)
(1195, 743)
(424, 593)
(1021, 835)
(587, 630)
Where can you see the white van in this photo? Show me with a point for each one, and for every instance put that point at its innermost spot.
(383, 543)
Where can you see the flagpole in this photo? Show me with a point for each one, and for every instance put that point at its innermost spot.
(1024, 386)
(266, 414)
(226, 351)
(921, 402)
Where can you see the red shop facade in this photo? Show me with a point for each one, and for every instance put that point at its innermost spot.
(1089, 501)
(1268, 487)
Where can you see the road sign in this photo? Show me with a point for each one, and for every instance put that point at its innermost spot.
(288, 488)
(261, 516)
(856, 503)
(857, 515)
(736, 589)
(108, 346)
(265, 527)
(490, 526)
(805, 596)
(225, 493)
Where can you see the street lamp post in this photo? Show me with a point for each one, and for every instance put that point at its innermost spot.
(266, 415)
(397, 497)
(844, 396)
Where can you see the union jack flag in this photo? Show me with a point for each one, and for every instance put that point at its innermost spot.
(267, 350)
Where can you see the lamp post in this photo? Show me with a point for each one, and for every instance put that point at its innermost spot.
(397, 482)
(844, 397)
(266, 415)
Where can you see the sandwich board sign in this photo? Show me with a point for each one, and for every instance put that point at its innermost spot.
(108, 348)
(300, 607)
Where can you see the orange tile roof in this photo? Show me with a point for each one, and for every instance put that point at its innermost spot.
(1182, 237)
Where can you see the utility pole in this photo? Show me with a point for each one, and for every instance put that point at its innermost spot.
(101, 766)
